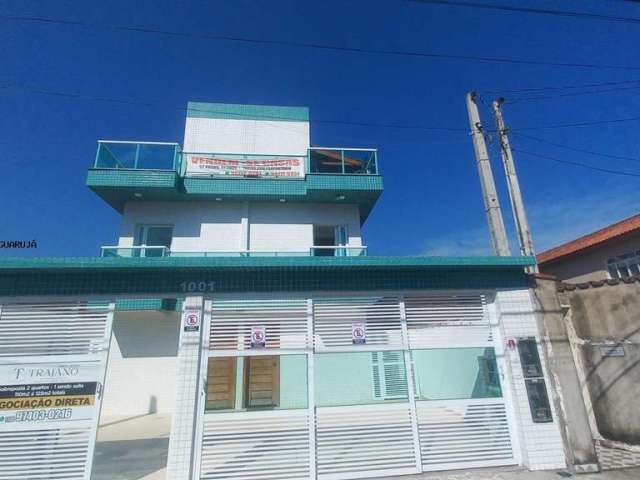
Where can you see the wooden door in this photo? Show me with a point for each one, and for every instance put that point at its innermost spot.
(262, 380)
(221, 384)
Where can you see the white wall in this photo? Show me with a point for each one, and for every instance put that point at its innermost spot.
(218, 226)
(198, 226)
(277, 227)
(215, 135)
(141, 372)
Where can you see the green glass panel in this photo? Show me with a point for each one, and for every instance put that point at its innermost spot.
(360, 378)
(455, 373)
(293, 381)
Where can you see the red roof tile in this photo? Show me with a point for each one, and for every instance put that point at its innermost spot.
(595, 238)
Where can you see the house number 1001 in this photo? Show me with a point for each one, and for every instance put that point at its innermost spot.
(197, 286)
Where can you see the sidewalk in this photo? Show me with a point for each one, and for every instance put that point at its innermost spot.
(132, 448)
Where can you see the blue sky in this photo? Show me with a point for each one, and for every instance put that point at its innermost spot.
(432, 202)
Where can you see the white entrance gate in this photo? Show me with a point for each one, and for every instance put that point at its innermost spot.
(372, 404)
(52, 364)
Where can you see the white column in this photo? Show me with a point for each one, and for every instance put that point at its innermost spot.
(183, 423)
(245, 243)
(541, 443)
(410, 386)
(311, 395)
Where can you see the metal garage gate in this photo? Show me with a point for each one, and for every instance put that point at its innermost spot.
(351, 387)
(52, 365)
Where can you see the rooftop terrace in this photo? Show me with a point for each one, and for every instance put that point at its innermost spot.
(123, 171)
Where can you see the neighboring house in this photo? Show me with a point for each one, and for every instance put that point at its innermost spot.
(609, 253)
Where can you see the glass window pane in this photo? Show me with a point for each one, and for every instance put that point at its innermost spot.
(154, 236)
(455, 373)
(624, 272)
(613, 272)
(293, 381)
(360, 378)
(157, 236)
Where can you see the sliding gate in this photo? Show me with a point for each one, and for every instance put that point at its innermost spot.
(352, 387)
(52, 365)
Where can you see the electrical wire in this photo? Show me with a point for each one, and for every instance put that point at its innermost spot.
(569, 94)
(558, 87)
(317, 46)
(577, 164)
(580, 150)
(576, 124)
(541, 11)
(76, 96)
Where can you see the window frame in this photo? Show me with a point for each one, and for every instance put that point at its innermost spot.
(627, 261)
(142, 234)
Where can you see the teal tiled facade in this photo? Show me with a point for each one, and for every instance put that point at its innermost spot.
(176, 276)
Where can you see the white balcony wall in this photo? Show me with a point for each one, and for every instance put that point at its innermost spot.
(218, 135)
(289, 227)
(197, 226)
(232, 226)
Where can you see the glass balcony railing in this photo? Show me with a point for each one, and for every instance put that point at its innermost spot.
(112, 154)
(138, 155)
(335, 251)
(334, 161)
(138, 251)
(161, 251)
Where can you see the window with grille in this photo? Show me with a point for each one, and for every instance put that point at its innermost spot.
(625, 265)
(388, 375)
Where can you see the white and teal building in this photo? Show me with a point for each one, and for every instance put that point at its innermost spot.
(242, 300)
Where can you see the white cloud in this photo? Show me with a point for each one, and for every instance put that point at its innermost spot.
(467, 242)
(559, 220)
(553, 222)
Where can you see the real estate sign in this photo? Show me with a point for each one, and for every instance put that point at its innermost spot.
(233, 166)
(44, 393)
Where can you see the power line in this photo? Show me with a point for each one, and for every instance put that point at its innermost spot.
(577, 164)
(77, 96)
(559, 87)
(570, 94)
(580, 150)
(577, 124)
(317, 46)
(541, 11)
(124, 101)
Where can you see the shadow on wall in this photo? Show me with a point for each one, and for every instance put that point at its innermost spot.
(147, 333)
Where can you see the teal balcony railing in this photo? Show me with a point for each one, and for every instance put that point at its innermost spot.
(138, 155)
(162, 251)
(112, 154)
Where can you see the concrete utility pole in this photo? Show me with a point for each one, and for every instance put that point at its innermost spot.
(517, 205)
(489, 194)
